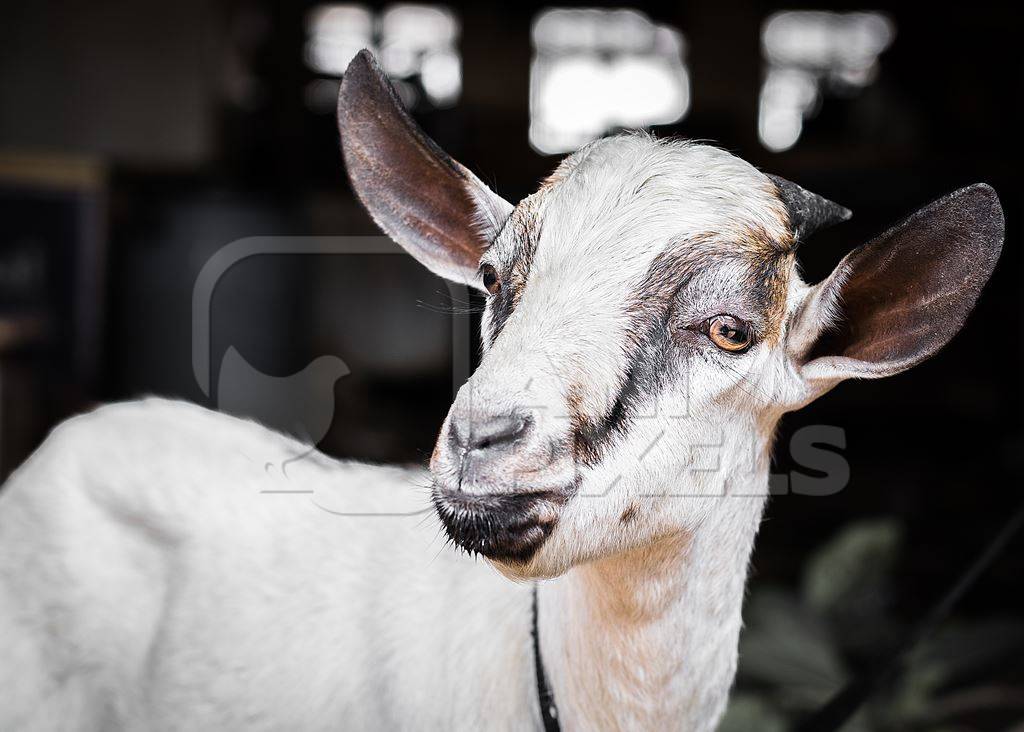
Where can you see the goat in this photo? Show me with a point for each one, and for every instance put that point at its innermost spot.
(643, 304)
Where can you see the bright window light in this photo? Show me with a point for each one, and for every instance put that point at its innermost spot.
(415, 44)
(811, 51)
(335, 34)
(595, 71)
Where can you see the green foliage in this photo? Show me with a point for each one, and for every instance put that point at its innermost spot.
(854, 566)
(749, 712)
(800, 648)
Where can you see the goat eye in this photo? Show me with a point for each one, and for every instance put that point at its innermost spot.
(729, 333)
(491, 282)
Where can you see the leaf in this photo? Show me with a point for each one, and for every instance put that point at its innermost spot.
(853, 566)
(969, 649)
(788, 647)
(748, 712)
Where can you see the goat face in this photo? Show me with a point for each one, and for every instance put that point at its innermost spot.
(605, 290)
(645, 325)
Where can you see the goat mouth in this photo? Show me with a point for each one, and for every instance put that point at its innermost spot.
(508, 527)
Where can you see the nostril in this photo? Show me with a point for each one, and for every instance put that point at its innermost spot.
(496, 432)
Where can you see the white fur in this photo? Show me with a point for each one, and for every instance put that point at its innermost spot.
(148, 581)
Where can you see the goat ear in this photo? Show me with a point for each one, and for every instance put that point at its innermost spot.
(430, 204)
(898, 299)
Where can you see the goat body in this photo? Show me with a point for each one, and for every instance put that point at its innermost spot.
(151, 578)
(162, 571)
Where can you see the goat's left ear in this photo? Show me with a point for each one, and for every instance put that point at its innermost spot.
(898, 299)
(430, 204)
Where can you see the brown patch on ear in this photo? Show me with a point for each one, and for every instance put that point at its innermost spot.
(902, 296)
(630, 514)
(415, 192)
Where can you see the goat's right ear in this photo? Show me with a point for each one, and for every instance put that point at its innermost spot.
(430, 204)
(898, 299)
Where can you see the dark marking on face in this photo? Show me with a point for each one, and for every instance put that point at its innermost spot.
(521, 232)
(649, 368)
(769, 286)
(650, 355)
(630, 514)
(501, 306)
(505, 526)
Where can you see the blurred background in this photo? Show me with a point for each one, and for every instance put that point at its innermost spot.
(137, 139)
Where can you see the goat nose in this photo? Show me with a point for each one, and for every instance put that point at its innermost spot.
(492, 433)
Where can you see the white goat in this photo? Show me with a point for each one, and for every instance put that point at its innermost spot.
(645, 323)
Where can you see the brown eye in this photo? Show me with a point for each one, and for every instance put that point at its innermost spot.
(729, 333)
(490, 276)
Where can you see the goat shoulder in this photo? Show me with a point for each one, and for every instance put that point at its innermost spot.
(163, 566)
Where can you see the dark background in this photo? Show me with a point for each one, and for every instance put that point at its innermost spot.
(138, 137)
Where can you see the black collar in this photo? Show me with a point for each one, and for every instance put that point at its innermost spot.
(548, 710)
